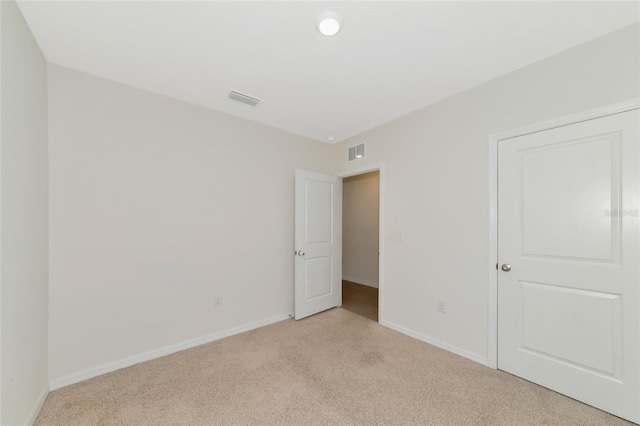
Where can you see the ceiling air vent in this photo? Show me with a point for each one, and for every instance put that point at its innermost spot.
(241, 97)
(356, 152)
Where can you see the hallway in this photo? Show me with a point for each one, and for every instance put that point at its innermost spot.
(360, 299)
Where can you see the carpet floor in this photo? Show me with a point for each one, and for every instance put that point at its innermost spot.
(334, 368)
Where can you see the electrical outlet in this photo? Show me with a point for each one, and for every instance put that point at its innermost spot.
(442, 307)
(218, 301)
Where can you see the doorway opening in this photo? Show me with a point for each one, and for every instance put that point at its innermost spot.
(360, 243)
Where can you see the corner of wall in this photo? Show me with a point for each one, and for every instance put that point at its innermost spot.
(23, 227)
(33, 415)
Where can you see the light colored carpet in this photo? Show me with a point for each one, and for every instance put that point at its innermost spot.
(333, 368)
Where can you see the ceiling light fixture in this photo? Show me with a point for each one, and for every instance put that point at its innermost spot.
(329, 23)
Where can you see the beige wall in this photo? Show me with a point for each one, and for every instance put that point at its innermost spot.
(158, 207)
(360, 221)
(23, 223)
(436, 183)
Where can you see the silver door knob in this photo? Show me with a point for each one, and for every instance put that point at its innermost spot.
(506, 267)
(300, 253)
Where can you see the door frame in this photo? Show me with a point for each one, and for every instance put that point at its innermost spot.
(359, 171)
(494, 139)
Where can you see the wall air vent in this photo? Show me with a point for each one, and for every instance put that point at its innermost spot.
(356, 152)
(241, 97)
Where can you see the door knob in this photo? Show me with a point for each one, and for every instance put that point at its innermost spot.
(300, 253)
(506, 267)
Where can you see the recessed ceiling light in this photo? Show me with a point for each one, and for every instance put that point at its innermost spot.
(329, 23)
(331, 138)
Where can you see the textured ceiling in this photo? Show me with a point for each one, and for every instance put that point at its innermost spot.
(391, 57)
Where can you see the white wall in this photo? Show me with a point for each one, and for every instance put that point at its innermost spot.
(360, 232)
(23, 223)
(157, 207)
(436, 182)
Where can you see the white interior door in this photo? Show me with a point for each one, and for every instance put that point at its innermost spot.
(568, 201)
(318, 243)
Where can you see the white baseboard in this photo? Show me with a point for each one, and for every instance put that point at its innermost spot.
(437, 343)
(359, 281)
(157, 353)
(33, 415)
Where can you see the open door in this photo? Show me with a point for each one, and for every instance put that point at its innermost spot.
(318, 243)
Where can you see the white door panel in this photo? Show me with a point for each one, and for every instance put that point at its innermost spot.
(563, 311)
(318, 242)
(559, 225)
(568, 225)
